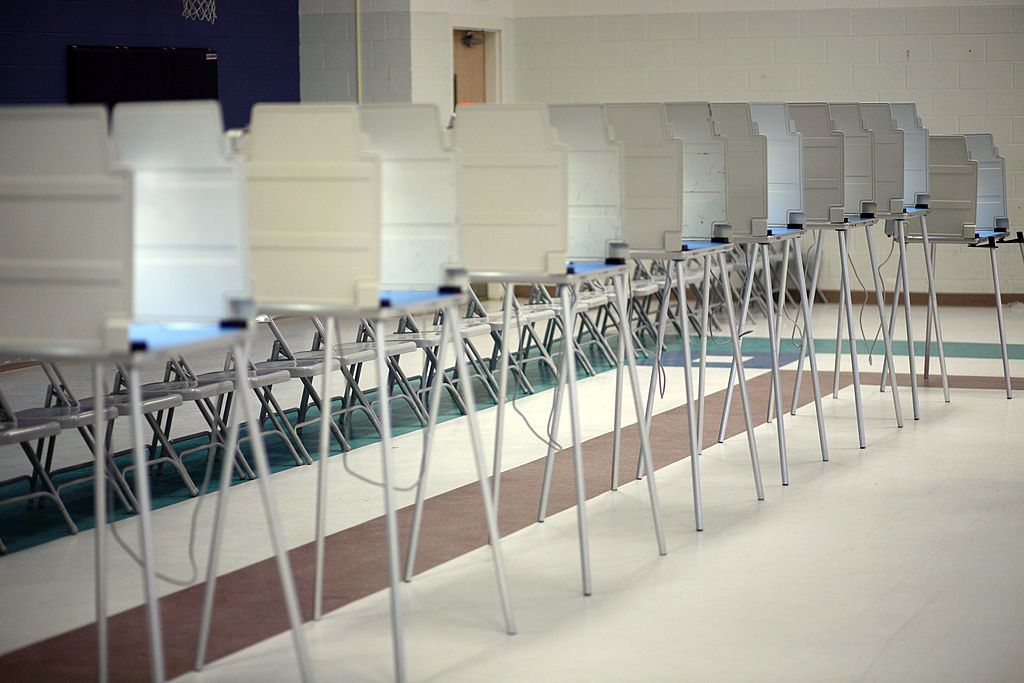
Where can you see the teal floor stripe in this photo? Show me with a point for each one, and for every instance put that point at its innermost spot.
(952, 349)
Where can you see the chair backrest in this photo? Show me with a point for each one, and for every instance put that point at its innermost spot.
(314, 206)
(513, 189)
(595, 178)
(858, 159)
(992, 214)
(746, 167)
(653, 175)
(785, 163)
(705, 199)
(65, 232)
(419, 209)
(888, 144)
(824, 186)
(191, 229)
(953, 185)
(915, 154)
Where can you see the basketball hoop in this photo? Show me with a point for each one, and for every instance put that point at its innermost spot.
(203, 10)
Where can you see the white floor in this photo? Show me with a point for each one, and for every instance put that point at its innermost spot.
(901, 562)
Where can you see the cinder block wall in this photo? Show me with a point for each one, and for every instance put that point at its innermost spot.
(963, 66)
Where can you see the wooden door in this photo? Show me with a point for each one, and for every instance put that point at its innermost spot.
(469, 50)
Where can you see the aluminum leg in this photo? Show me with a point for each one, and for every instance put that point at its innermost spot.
(928, 324)
(748, 285)
(933, 309)
(839, 336)
(552, 436)
(694, 432)
(803, 340)
(702, 368)
(620, 350)
(658, 351)
(773, 339)
(499, 434)
(852, 333)
(999, 319)
(490, 509)
(100, 512)
(886, 338)
(428, 447)
(904, 274)
(779, 314)
(387, 466)
(808, 336)
(896, 290)
(645, 442)
(321, 471)
(737, 355)
(568, 297)
(156, 650)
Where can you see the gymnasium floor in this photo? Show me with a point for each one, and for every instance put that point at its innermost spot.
(898, 562)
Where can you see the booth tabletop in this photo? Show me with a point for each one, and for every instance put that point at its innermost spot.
(149, 342)
(775, 234)
(576, 272)
(394, 303)
(690, 249)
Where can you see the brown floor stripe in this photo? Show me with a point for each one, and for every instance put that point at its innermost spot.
(249, 607)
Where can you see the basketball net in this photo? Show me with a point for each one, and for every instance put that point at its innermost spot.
(203, 10)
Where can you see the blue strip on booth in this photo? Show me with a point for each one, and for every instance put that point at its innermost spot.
(582, 268)
(695, 245)
(395, 298)
(159, 336)
(913, 209)
(985, 234)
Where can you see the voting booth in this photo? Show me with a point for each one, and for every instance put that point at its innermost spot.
(858, 160)
(953, 185)
(595, 185)
(513, 189)
(66, 230)
(785, 164)
(823, 179)
(705, 199)
(887, 140)
(991, 213)
(653, 175)
(746, 167)
(191, 233)
(419, 198)
(314, 206)
(915, 155)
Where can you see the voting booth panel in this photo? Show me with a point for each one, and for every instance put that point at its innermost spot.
(513, 189)
(65, 231)
(915, 154)
(191, 247)
(595, 184)
(653, 175)
(785, 164)
(746, 168)
(858, 159)
(953, 183)
(705, 208)
(314, 206)
(992, 214)
(823, 162)
(419, 199)
(888, 144)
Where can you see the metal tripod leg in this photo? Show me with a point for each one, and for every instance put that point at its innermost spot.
(851, 331)
(321, 473)
(737, 355)
(933, 309)
(901, 236)
(766, 274)
(808, 337)
(803, 340)
(999, 319)
(748, 284)
(886, 338)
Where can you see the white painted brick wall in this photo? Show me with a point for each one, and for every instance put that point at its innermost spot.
(963, 65)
